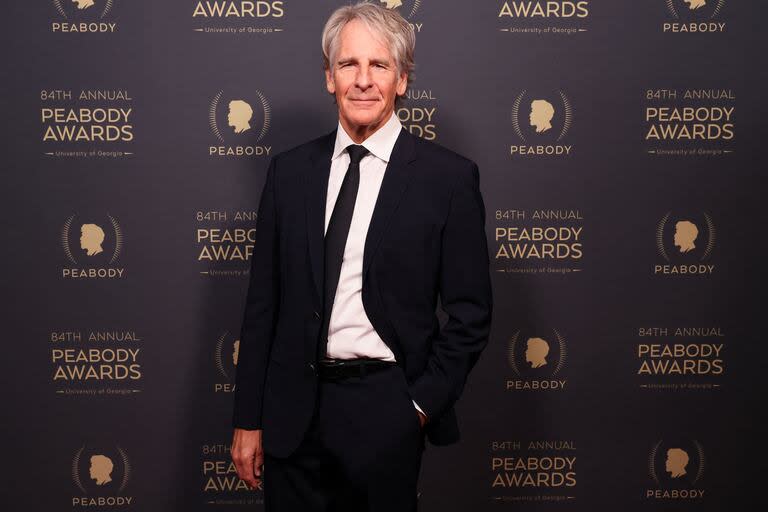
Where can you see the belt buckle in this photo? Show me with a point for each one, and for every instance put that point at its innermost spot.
(348, 368)
(338, 371)
(331, 369)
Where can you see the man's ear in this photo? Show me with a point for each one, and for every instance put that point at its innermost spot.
(329, 83)
(402, 84)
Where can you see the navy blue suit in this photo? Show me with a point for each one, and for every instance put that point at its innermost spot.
(426, 239)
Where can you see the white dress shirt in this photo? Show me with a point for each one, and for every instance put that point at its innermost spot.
(350, 332)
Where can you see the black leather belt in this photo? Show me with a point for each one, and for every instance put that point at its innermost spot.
(333, 369)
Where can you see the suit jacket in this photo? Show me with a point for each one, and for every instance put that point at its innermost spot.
(426, 239)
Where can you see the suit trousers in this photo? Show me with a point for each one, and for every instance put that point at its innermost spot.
(361, 453)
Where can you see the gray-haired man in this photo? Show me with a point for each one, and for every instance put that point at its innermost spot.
(343, 367)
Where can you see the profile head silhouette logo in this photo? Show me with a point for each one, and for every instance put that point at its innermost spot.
(541, 115)
(83, 4)
(685, 234)
(536, 352)
(530, 356)
(91, 238)
(100, 469)
(391, 4)
(235, 351)
(677, 461)
(683, 462)
(550, 118)
(106, 467)
(695, 4)
(239, 115)
(249, 115)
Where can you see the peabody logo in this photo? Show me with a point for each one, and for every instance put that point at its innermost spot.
(101, 473)
(84, 16)
(537, 360)
(685, 242)
(541, 121)
(676, 467)
(694, 16)
(93, 245)
(239, 122)
(407, 8)
(227, 352)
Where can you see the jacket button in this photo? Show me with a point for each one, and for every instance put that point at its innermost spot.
(317, 315)
(312, 367)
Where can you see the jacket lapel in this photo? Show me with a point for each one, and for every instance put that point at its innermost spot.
(314, 201)
(395, 181)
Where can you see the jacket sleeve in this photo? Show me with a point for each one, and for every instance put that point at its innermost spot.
(465, 293)
(260, 313)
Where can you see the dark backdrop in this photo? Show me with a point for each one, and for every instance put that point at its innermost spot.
(620, 146)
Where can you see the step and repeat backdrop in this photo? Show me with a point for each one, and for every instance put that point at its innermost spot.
(620, 147)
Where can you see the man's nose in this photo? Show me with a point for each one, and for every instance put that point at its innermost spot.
(363, 78)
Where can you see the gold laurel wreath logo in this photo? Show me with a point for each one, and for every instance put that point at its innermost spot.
(415, 8)
(65, 234)
(563, 352)
(711, 242)
(267, 109)
(126, 469)
(512, 352)
(655, 451)
(720, 4)
(76, 469)
(700, 451)
(660, 236)
(711, 236)
(219, 349)
(567, 119)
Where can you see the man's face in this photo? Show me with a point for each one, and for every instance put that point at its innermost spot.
(364, 79)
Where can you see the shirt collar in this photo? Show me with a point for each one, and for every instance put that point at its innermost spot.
(380, 143)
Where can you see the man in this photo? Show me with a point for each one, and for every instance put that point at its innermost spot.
(343, 367)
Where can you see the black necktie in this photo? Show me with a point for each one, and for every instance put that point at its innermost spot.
(336, 236)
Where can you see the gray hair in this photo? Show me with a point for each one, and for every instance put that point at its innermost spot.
(395, 31)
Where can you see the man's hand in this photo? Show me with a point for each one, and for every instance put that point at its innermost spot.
(248, 456)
